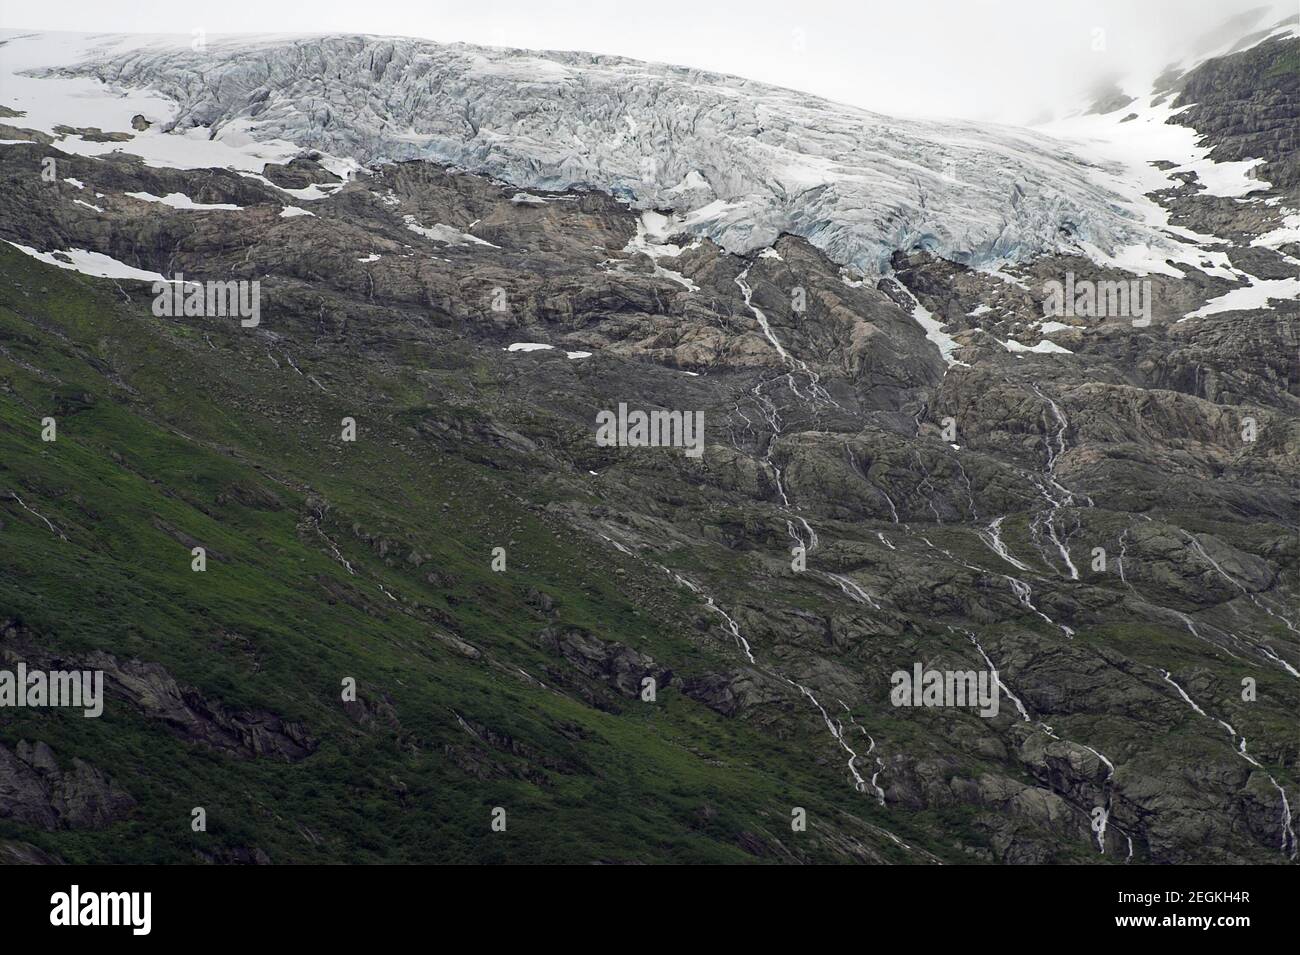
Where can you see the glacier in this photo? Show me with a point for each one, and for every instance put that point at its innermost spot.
(732, 159)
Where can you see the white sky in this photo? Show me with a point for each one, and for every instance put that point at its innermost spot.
(1004, 60)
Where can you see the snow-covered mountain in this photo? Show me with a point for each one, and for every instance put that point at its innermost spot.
(739, 161)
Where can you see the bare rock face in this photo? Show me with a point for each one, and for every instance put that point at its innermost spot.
(23, 853)
(613, 664)
(733, 694)
(1246, 105)
(298, 173)
(35, 790)
(197, 719)
(238, 855)
(24, 797)
(153, 691)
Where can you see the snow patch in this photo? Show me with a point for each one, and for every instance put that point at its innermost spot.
(1287, 233)
(445, 234)
(178, 200)
(934, 329)
(652, 232)
(539, 346)
(1259, 294)
(1044, 347)
(93, 263)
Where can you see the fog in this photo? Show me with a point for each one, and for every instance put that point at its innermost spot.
(1003, 60)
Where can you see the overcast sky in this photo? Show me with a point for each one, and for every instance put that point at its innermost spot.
(1004, 60)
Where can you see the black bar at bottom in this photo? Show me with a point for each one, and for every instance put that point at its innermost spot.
(333, 905)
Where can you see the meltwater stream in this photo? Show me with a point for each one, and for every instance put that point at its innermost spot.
(1288, 846)
(833, 726)
(1054, 492)
(1263, 648)
(1107, 784)
(818, 393)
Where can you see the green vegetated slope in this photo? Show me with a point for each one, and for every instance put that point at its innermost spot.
(167, 440)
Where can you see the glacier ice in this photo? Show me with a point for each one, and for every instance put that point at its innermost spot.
(739, 161)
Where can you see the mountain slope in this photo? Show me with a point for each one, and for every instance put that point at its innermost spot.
(416, 299)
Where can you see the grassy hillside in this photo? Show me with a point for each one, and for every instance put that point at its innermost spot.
(172, 435)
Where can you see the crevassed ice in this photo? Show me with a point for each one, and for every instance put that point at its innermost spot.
(740, 161)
